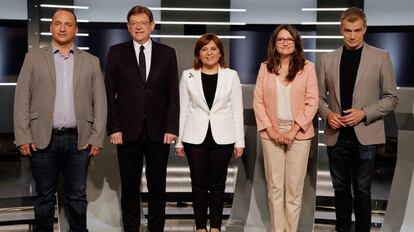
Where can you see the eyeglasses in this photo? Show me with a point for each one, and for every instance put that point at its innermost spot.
(141, 24)
(283, 40)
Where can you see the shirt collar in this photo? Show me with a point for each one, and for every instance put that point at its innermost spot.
(147, 45)
(353, 50)
(56, 50)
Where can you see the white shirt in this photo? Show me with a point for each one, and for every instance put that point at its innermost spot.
(147, 52)
(284, 109)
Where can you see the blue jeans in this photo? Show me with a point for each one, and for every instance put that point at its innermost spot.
(62, 155)
(352, 163)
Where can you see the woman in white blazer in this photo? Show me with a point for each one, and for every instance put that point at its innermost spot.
(211, 127)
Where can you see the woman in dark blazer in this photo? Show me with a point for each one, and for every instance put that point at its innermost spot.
(211, 127)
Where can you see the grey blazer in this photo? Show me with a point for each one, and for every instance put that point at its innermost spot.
(374, 92)
(35, 98)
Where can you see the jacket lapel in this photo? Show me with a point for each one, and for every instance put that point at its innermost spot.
(220, 83)
(362, 65)
(154, 54)
(336, 68)
(271, 93)
(48, 53)
(199, 85)
(77, 63)
(131, 61)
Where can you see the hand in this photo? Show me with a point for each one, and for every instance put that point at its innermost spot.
(116, 138)
(274, 135)
(353, 117)
(169, 138)
(94, 149)
(179, 151)
(289, 137)
(238, 151)
(25, 149)
(334, 120)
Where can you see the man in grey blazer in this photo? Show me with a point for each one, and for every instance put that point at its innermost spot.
(357, 89)
(60, 115)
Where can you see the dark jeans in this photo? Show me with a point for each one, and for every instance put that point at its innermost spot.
(352, 164)
(208, 168)
(62, 155)
(130, 158)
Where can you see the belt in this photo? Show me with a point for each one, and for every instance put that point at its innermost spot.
(64, 130)
(282, 122)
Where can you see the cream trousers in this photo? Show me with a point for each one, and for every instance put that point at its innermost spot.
(285, 170)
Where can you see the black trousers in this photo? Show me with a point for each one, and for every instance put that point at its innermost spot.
(130, 158)
(208, 167)
(352, 164)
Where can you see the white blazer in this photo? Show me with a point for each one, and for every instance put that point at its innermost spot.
(225, 116)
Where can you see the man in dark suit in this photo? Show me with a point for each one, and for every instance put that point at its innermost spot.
(59, 120)
(143, 110)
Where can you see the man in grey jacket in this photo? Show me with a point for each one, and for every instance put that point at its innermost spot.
(357, 89)
(60, 115)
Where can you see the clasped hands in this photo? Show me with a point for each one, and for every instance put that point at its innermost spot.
(352, 118)
(283, 138)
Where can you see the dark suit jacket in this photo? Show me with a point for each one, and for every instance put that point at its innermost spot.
(130, 100)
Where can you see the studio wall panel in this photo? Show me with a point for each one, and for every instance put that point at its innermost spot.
(112, 11)
(13, 9)
(273, 11)
(389, 13)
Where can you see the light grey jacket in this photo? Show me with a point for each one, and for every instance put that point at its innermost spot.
(374, 92)
(35, 98)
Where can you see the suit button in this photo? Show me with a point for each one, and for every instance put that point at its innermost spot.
(50, 115)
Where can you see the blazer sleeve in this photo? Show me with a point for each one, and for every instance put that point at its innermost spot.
(323, 95)
(22, 99)
(388, 100)
(173, 111)
(259, 107)
(237, 111)
(111, 85)
(184, 104)
(99, 106)
(304, 120)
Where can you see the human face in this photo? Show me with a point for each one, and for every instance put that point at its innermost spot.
(285, 43)
(63, 28)
(140, 28)
(353, 33)
(209, 55)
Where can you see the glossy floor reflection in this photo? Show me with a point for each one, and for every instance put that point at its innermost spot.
(17, 192)
(171, 226)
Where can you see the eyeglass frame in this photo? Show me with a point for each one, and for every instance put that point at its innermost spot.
(140, 24)
(283, 40)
